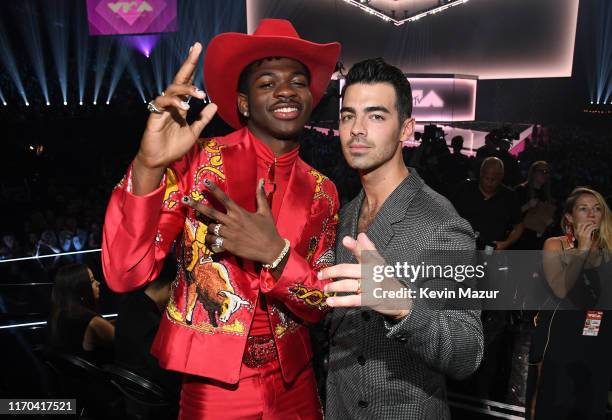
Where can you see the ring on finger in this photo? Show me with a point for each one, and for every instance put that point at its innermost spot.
(153, 108)
(218, 244)
(359, 286)
(216, 229)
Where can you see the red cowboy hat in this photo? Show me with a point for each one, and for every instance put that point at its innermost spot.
(229, 53)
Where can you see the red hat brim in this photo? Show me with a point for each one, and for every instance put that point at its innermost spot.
(229, 53)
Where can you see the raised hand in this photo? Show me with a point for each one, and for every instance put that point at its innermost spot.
(247, 235)
(168, 136)
(350, 279)
(584, 235)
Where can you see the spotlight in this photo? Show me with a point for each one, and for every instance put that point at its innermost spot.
(48, 103)
(95, 103)
(4, 103)
(81, 103)
(65, 103)
(107, 102)
(27, 103)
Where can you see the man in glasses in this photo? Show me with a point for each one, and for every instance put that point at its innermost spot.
(256, 223)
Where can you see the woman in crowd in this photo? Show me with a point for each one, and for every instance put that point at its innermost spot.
(75, 326)
(570, 354)
(536, 206)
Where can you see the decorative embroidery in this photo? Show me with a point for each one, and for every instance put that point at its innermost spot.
(326, 259)
(312, 247)
(208, 284)
(170, 195)
(312, 297)
(285, 323)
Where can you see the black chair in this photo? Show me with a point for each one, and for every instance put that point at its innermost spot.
(143, 399)
(51, 381)
(97, 397)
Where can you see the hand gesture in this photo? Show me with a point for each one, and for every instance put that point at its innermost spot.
(350, 275)
(584, 235)
(248, 235)
(168, 136)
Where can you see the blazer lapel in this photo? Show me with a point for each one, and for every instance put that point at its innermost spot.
(381, 231)
(241, 172)
(296, 204)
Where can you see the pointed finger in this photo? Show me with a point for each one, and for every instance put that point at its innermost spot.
(207, 211)
(262, 201)
(353, 246)
(187, 70)
(366, 245)
(220, 195)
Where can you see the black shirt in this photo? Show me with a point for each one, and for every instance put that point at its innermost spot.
(492, 219)
(137, 323)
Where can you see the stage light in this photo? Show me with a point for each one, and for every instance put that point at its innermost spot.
(27, 104)
(80, 102)
(4, 103)
(56, 18)
(8, 59)
(101, 62)
(33, 43)
(65, 103)
(122, 56)
(48, 103)
(107, 102)
(135, 76)
(81, 44)
(94, 102)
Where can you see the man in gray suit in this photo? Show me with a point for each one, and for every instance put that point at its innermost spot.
(391, 363)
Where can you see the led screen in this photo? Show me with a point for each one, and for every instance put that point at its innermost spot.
(107, 17)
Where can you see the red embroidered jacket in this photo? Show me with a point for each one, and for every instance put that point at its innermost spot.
(214, 296)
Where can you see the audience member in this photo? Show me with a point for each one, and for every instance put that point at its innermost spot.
(137, 323)
(537, 206)
(74, 325)
(570, 367)
(491, 208)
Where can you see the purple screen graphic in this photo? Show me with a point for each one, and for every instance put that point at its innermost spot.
(109, 17)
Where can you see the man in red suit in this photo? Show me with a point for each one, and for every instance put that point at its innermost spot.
(257, 223)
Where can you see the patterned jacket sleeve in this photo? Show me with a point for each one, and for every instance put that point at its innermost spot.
(139, 231)
(448, 340)
(298, 287)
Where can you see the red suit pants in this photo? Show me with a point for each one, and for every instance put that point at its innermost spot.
(261, 393)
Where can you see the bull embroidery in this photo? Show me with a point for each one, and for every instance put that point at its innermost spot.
(208, 281)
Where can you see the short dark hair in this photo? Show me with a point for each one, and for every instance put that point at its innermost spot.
(376, 70)
(243, 80)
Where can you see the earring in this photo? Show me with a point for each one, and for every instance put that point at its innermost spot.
(246, 113)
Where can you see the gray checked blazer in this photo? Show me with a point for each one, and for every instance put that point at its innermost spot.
(380, 370)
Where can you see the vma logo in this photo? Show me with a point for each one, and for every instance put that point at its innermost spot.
(431, 100)
(130, 10)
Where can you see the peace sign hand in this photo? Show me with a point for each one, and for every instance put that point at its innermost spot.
(252, 236)
(168, 136)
